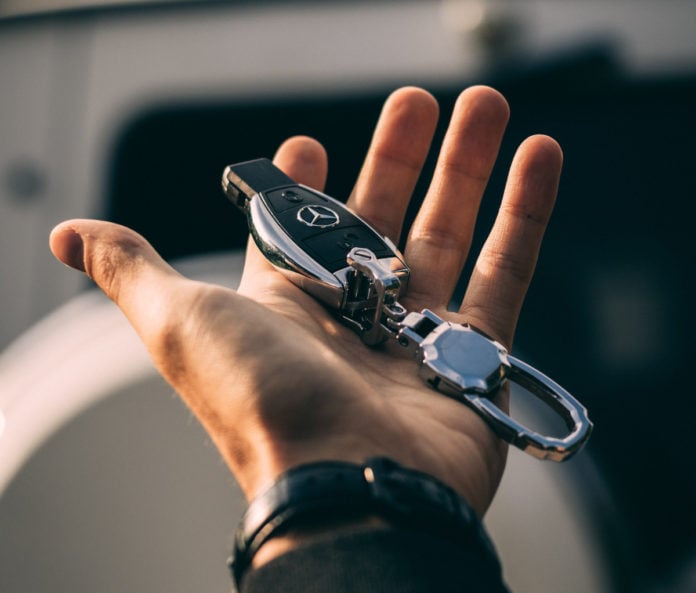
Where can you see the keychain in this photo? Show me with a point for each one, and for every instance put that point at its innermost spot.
(335, 256)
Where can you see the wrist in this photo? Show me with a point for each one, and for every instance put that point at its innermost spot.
(323, 499)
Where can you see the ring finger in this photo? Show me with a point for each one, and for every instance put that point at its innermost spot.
(441, 234)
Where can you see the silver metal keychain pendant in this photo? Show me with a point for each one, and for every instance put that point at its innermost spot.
(331, 253)
(465, 364)
(462, 362)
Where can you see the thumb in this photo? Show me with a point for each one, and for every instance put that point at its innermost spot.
(123, 264)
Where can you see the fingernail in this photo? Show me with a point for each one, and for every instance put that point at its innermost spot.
(73, 250)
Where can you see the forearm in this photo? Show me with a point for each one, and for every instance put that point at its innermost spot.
(377, 561)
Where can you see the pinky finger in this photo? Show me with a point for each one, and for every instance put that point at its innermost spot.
(505, 266)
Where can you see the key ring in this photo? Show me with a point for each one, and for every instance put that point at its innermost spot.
(547, 390)
(334, 255)
(461, 361)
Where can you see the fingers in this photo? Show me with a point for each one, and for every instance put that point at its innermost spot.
(506, 263)
(399, 147)
(123, 265)
(441, 234)
(304, 159)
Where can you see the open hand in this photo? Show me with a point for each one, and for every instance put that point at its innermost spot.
(274, 378)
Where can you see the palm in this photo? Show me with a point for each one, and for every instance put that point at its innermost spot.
(349, 401)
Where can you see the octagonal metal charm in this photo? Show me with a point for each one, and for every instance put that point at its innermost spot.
(456, 359)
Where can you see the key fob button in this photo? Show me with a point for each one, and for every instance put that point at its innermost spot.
(284, 199)
(330, 248)
(291, 195)
(348, 241)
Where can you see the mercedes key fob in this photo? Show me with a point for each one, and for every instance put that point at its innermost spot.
(309, 237)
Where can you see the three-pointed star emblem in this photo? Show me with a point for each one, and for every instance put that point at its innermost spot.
(318, 216)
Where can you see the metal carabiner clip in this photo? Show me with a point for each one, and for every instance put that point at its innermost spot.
(573, 413)
(462, 362)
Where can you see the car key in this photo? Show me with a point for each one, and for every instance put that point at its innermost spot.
(308, 235)
(334, 255)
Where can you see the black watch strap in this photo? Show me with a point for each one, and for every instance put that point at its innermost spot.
(407, 498)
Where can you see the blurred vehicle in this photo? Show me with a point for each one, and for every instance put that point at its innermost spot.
(130, 110)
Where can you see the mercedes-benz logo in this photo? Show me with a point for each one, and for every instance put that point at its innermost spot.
(318, 216)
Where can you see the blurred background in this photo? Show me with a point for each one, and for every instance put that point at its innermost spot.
(129, 111)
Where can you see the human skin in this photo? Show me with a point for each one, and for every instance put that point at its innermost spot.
(275, 378)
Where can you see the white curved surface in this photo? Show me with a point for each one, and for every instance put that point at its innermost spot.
(78, 355)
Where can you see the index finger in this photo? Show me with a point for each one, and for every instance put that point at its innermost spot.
(399, 147)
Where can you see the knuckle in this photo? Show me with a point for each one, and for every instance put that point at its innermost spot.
(534, 217)
(445, 238)
(515, 268)
(109, 262)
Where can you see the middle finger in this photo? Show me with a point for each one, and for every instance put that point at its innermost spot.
(441, 234)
